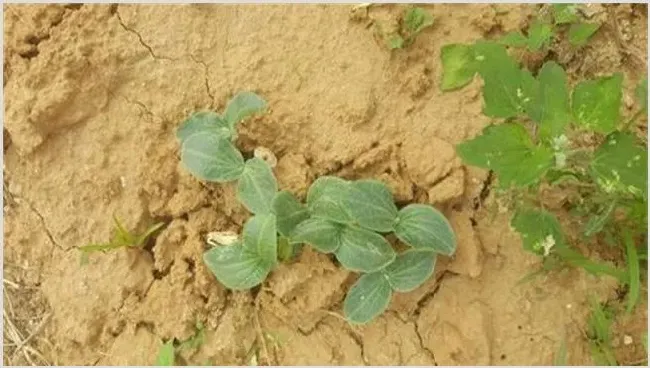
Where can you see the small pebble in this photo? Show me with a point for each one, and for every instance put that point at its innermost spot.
(627, 340)
(266, 155)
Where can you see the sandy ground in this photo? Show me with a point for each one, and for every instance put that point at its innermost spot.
(93, 95)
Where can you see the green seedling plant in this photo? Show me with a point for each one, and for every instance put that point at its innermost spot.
(413, 22)
(168, 350)
(122, 238)
(537, 138)
(563, 18)
(599, 332)
(346, 218)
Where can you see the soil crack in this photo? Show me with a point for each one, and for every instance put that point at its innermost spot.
(206, 74)
(140, 39)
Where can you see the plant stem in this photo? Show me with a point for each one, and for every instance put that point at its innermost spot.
(627, 125)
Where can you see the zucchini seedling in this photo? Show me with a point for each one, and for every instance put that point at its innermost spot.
(341, 217)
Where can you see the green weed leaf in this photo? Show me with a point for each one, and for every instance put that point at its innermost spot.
(513, 39)
(425, 228)
(289, 212)
(362, 250)
(210, 157)
(620, 165)
(507, 89)
(579, 33)
(540, 231)
(166, 355)
(539, 35)
(565, 13)
(236, 267)
(325, 199)
(243, 105)
(596, 103)
(508, 150)
(417, 19)
(459, 66)
(395, 42)
(368, 298)
(410, 270)
(261, 237)
(322, 234)
(642, 94)
(597, 222)
(203, 121)
(634, 274)
(370, 204)
(551, 109)
(257, 186)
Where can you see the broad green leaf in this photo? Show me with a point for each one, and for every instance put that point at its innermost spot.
(620, 165)
(507, 89)
(539, 35)
(513, 39)
(596, 103)
(565, 13)
(362, 250)
(410, 270)
(236, 267)
(243, 105)
(288, 211)
(458, 65)
(325, 199)
(166, 356)
(257, 186)
(425, 228)
(322, 234)
(579, 33)
(642, 93)
(211, 157)
(540, 231)
(370, 204)
(551, 109)
(417, 19)
(367, 299)
(261, 237)
(508, 150)
(203, 121)
(597, 222)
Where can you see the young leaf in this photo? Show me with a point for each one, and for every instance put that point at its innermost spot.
(508, 150)
(322, 234)
(257, 186)
(367, 298)
(620, 165)
(565, 13)
(261, 237)
(539, 230)
(425, 228)
(634, 274)
(417, 19)
(597, 222)
(642, 93)
(539, 35)
(551, 109)
(596, 103)
(362, 250)
(243, 105)
(325, 198)
(166, 355)
(410, 270)
(395, 42)
(458, 65)
(210, 157)
(513, 39)
(507, 89)
(289, 212)
(579, 33)
(201, 121)
(370, 204)
(236, 267)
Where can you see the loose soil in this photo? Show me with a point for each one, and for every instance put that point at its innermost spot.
(93, 94)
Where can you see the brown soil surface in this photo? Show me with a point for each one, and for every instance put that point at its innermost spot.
(93, 95)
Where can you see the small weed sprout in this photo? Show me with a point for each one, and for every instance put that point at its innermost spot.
(345, 218)
(122, 238)
(412, 23)
(536, 138)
